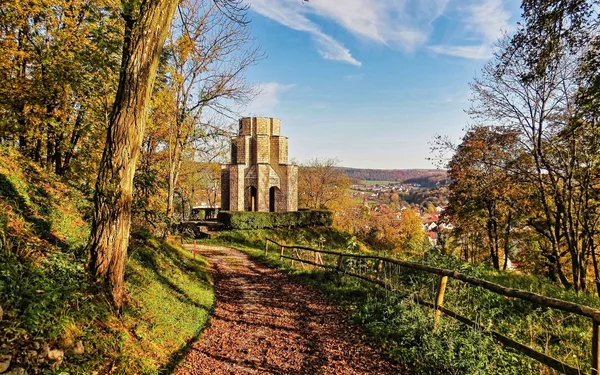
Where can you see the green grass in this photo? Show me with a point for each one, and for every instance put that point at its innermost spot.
(405, 329)
(171, 297)
(38, 213)
(47, 297)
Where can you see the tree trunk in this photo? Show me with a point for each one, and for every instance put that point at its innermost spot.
(491, 229)
(595, 264)
(174, 168)
(507, 240)
(143, 41)
(561, 275)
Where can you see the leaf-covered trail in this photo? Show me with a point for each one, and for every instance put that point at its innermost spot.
(264, 323)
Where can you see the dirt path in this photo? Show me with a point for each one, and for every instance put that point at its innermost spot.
(264, 323)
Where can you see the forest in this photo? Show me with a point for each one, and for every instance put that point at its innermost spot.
(424, 177)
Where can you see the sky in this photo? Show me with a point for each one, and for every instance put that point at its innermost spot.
(370, 82)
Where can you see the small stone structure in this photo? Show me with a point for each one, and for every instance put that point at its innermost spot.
(259, 177)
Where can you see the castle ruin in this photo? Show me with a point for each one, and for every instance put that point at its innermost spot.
(259, 177)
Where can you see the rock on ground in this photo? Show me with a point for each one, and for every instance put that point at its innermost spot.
(5, 362)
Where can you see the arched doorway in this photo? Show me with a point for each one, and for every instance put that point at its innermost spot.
(250, 203)
(273, 194)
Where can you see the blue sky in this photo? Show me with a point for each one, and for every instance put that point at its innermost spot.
(371, 81)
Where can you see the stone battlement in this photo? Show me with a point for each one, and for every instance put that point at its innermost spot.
(251, 126)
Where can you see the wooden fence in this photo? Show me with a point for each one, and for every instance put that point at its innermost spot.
(437, 305)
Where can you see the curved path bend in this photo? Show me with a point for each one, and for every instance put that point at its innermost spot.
(265, 323)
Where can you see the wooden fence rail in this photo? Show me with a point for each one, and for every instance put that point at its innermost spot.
(536, 299)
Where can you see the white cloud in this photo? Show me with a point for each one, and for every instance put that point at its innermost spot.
(401, 23)
(476, 52)
(331, 49)
(268, 98)
(404, 24)
(285, 12)
(489, 18)
(485, 22)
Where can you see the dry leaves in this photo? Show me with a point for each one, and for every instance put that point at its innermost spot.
(266, 324)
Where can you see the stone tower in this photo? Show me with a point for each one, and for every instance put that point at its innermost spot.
(259, 177)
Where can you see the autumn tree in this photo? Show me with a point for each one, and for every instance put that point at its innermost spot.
(200, 183)
(321, 184)
(410, 230)
(354, 219)
(531, 87)
(484, 192)
(58, 68)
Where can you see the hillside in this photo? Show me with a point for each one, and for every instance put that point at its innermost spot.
(423, 177)
(52, 316)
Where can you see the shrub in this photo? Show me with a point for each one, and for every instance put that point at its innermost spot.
(259, 220)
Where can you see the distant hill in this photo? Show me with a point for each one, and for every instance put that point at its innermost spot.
(424, 177)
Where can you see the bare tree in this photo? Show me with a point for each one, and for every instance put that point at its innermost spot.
(209, 53)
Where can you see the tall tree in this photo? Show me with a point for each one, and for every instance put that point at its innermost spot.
(146, 28)
(484, 191)
(410, 231)
(532, 87)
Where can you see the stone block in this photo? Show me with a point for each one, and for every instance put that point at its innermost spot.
(263, 149)
(283, 151)
(259, 161)
(274, 157)
(236, 187)
(275, 127)
(239, 147)
(263, 187)
(292, 188)
(253, 151)
(263, 126)
(225, 183)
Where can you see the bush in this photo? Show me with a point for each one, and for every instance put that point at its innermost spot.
(259, 220)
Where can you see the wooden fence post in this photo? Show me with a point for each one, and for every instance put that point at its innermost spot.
(439, 300)
(266, 247)
(595, 348)
(294, 252)
(339, 264)
(194, 251)
(281, 254)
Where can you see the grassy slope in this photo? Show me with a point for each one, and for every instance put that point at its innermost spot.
(47, 298)
(406, 330)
